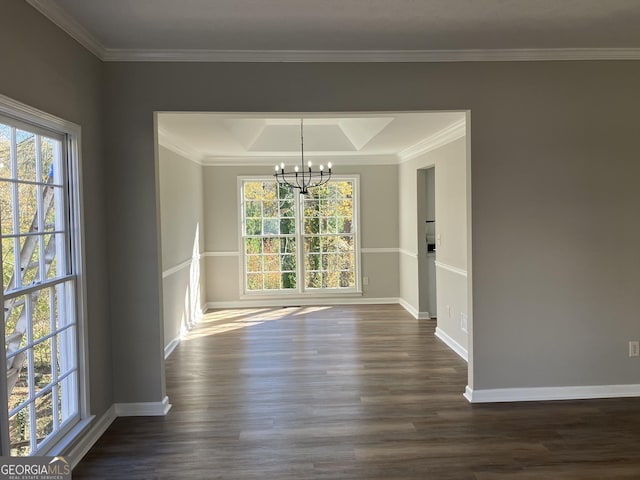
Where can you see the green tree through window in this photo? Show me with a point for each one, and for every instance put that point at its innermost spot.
(39, 284)
(280, 256)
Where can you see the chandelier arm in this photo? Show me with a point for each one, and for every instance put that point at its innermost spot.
(306, 178)
(282, 179)
(323, 179)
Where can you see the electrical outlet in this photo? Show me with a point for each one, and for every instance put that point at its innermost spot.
(365, 280)
(463, 322)
(634, 349)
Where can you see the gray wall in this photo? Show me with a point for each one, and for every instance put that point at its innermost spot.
(44, 68)
(554, 161)
(182, 235)
(378, 228)
(451, 250)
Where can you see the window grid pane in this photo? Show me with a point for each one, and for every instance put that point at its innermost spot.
(40, 336)
(269, 231)
(327, 238)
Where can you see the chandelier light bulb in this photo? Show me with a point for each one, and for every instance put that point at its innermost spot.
(329, 165)
(302, 178)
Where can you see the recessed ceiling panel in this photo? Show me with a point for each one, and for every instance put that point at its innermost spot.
(317, 138)
(361, 130)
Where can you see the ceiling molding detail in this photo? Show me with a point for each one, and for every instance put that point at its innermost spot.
(68, 24)
(415, 56)
(446, 135)
(58, 16)
(360, 131)
(180, 148)
(270, 161)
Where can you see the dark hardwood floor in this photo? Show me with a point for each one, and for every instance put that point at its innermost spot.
(351, 392)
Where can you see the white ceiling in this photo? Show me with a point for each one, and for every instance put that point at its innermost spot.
(350, 29)
(240, 139)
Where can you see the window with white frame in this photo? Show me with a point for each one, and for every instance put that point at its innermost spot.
(40, 271)
(299, 243)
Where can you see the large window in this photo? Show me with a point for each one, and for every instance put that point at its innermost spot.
(40, 287)
(299, 243)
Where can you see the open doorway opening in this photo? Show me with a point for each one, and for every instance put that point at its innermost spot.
(206, 159)
(426, 192)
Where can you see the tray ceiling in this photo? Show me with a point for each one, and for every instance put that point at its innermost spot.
(218, 138)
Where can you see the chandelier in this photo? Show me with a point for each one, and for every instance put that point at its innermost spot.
(304, 177)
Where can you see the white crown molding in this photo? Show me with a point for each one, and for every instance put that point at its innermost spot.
(446, 135)
(269, 159)
(166, 140)
(451, 268)
(68, 24)
(493, 395)
(452, 344)
(414, 56)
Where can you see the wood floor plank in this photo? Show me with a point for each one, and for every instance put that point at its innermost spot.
(351, 392)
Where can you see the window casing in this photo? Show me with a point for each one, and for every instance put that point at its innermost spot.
(299, 244)
(42, 290)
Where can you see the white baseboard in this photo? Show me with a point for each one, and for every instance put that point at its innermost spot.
(452, 344)
(409, 308)
(142, 409)
(266, 303)
(89, 439)
(280, 302)
(492, 395)
(99, 427)
(171, 346)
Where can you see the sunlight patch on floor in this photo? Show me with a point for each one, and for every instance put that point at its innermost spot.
(221, 321)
